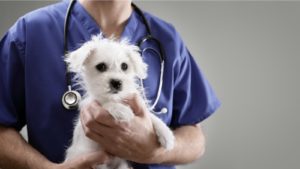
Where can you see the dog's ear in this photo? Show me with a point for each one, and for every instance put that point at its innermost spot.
(139, 66)
(78, 57)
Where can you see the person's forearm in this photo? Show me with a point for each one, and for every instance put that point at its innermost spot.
(189, 146)
(16, 153)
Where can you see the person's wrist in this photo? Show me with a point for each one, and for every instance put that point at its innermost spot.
(45, 164)
(51, 165)
(159, 153)
(158, 156)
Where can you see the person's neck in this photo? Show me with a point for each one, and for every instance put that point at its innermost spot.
(111, 16)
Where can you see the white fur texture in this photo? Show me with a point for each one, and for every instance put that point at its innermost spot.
(98, 86)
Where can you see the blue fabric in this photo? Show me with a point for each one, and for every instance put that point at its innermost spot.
(32, 76)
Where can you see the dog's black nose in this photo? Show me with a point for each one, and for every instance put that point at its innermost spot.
(115, 84)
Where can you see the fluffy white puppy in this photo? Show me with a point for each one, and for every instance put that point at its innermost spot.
(109, 71)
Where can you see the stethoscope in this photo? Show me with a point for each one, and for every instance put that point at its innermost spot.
(71, 97)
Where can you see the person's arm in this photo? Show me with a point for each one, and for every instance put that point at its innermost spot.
(136, 140)
(16, 153)
(190, 145)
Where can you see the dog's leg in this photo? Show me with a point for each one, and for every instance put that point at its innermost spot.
(118, 163)
(163, 132)
(123, 165)
(80, 144)
(119, 111)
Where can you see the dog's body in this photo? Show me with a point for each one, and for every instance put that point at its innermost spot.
(108, 71)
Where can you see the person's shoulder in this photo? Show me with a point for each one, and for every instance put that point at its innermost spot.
(42, 17)
(46, 14)
(166, 33)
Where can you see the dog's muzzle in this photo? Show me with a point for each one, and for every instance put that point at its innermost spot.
(115, 85)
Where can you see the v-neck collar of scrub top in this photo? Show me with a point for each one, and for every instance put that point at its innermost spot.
(92, 27)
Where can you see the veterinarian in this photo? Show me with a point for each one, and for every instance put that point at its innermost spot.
(33, 81)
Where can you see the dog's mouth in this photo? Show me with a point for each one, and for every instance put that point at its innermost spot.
(113, 91)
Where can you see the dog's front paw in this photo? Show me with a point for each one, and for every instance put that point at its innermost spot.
(163, 132)
(119, 111)
(166, 138)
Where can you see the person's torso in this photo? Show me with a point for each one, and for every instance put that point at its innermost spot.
(49, 125)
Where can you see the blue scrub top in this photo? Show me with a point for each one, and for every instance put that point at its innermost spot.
(32, 76)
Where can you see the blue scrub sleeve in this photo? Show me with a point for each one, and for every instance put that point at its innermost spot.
(194, 98)
(12, 104)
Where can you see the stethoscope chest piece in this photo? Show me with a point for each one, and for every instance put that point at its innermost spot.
(71, 99)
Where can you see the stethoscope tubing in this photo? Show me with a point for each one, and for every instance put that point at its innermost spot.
(148, 37)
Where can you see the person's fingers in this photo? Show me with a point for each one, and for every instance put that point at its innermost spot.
(85, 117)
(106, 144)
(94, 136)
(103, 117)
(93, 113)
(109, 144)
(103, 130)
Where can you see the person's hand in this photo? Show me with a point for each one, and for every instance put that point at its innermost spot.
(88, 161)
(134, 140)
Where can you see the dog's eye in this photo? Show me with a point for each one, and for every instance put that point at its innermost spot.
(124, 66)
(101, 67)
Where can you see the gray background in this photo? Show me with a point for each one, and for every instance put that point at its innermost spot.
(250, 52)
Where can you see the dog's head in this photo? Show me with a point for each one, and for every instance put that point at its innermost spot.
(109, 68)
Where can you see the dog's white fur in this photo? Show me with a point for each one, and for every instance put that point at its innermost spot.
(97, 86)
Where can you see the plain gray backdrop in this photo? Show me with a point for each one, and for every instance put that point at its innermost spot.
(250, 52)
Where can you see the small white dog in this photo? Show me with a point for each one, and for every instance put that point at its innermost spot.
(109, 71)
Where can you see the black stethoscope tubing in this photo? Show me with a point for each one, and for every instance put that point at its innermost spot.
(71, 97)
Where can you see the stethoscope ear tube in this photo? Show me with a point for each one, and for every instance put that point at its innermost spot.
(148, 38)
(164, 109)
(160, 85)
